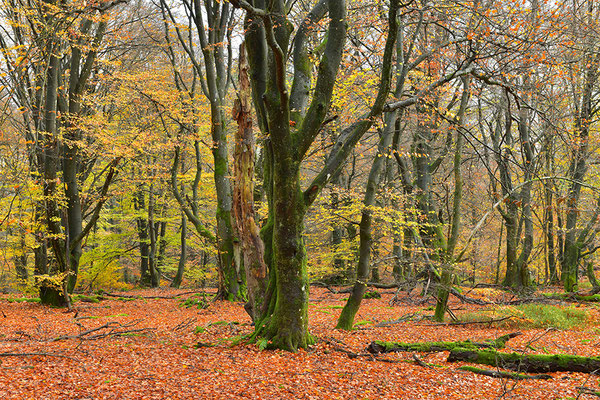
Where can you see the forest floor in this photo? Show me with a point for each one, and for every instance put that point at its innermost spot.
(146, 349)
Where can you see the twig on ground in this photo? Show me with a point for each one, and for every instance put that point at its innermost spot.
(420, 362)
(491, 321)
(405, 317)
(36, 354)
(112, 329)
(341, 349)
(587, 390)
(184, 324)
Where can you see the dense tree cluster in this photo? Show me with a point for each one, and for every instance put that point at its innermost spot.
(332, 141)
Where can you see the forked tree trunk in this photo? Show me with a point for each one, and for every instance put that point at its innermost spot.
(285, 322)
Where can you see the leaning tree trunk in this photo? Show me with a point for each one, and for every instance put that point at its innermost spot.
(346, 319)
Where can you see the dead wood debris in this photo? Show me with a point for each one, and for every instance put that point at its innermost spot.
(110, 329)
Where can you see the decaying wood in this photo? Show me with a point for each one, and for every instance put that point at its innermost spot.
(527, 362)
(127, 296)
(106, 330)
(502, 374)
(454, 323)
(377, 346)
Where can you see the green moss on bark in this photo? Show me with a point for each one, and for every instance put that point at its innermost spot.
(527, 362)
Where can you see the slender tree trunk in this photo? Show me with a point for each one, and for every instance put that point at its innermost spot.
(589, 270)
(139, 203)
(20, 259)
(152, 236)
(182, 255)
(346, 319)
(448, 254)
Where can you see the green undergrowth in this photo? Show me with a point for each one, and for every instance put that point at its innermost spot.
(23, 300)
(87, 299)
(196, 300)
(530, 316)
(592, 298)
(202, 329)
(372, 295)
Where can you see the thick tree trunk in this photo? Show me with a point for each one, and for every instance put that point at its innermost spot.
(52, 294)
(285, 324)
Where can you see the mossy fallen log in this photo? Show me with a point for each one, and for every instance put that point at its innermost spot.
(380, 346)
(590, 298)
(526, 362)
(503, 374)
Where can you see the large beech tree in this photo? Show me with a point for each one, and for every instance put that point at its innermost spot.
(291, 118)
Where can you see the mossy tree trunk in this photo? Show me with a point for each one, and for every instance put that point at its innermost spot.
(577, 170)
(527, 362)
(284, 323)
(589, 270)
(455, 225)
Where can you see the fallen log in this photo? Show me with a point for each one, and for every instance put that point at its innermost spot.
(502, 374)
(380, 346)
(588, 391)
(129, 296)
(526, 362)
(574, 297)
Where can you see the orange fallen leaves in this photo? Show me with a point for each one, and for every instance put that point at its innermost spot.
(161, 363)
